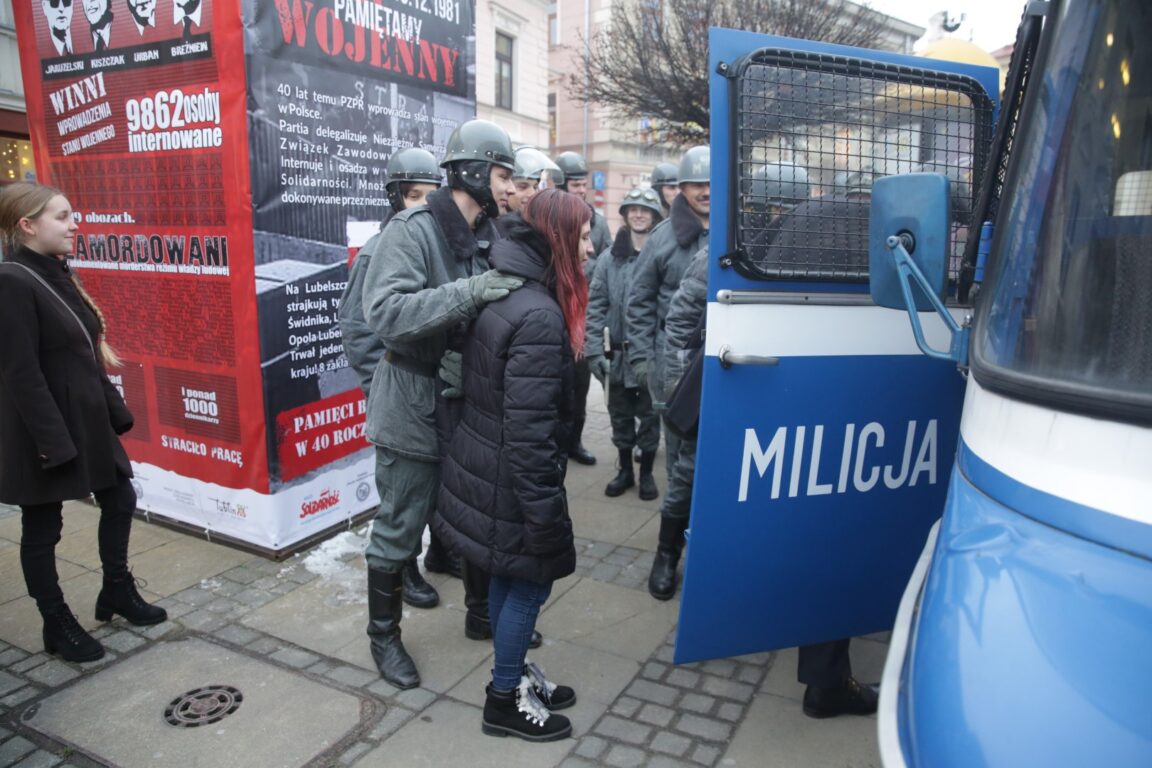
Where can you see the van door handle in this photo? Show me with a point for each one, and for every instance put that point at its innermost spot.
(729, 358)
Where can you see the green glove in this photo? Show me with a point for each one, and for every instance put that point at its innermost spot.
(452, 374)
(600, 367)
(640, 369)
(492, 286)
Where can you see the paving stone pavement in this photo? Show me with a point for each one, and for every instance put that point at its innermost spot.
(640, 709)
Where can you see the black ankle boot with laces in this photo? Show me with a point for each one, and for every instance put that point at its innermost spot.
(520, 713)
(64, 637)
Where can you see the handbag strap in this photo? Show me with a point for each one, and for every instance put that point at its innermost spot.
(60, 299)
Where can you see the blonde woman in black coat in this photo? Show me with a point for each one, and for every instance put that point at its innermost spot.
(60, 417)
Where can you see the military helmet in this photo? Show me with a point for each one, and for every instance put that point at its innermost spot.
(572, 164)
(644, 197)
(695, 166)
(859, 182)
(664, 175)
(473, 148)
(413, 164)
(531, 164)
(781, 184)
(479, 140)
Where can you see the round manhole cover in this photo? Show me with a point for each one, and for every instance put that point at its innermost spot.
(203, 706)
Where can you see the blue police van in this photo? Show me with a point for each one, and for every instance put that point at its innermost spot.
(927, 398)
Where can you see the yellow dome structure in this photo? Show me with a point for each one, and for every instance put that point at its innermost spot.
(955, 49)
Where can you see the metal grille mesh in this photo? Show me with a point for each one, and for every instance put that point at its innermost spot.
(812, 133)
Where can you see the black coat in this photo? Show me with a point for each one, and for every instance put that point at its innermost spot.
(502, 501)
(59, 413)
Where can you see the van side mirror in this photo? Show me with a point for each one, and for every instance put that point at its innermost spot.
(908, 249)
(916, 207)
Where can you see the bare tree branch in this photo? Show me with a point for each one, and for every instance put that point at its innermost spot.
(651, 60)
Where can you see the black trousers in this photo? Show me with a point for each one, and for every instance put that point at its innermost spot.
(824, 665)
(41, 525)
(581, 386)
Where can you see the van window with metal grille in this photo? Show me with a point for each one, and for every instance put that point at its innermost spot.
(812, 134)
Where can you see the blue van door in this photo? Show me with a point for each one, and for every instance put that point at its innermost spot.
(826, 436)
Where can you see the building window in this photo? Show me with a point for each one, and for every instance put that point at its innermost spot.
(652, 19)
(503, 70)
(552, 119)
(553, 25)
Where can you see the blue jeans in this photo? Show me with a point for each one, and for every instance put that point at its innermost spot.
(513, 606)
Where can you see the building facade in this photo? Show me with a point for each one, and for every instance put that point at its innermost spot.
(15, 148)
(511, 68)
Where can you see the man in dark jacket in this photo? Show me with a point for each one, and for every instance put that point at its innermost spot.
(412, 176)
(655, 279)
(428, 274)
(628, 402)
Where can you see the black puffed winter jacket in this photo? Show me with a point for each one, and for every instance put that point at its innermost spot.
(502, 501)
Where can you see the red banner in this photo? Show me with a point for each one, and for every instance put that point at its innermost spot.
(138, 114)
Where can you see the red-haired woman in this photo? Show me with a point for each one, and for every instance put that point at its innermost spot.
(502, 501)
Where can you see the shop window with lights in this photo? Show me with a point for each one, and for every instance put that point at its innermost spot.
(16, 160)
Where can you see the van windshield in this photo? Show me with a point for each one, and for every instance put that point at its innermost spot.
(1066, 317)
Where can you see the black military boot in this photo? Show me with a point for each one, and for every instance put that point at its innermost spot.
(64, 636)
(439, 560)
(625, 478)
(578, 453)
(648, 490)
(385, 607)
(662, 580)
(851, 698)
(520, 713)
(417, 592)
(119, 595)
(476, 623)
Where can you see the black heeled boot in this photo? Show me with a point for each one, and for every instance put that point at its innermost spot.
(477, 625)
(417, 592)
(385, 608)
(64, 637)
(119, 595)
(648, 490)
(662, 579)
(625, 478)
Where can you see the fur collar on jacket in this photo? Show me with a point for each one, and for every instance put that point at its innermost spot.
(685, 223)
(622, 246)
(462, 240)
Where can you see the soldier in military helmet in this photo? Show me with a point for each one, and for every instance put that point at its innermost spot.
(575, 172)
(635, 424)
(427, 274)
(773, 190)
(412, 175)
(533, 168)
(666, 184)
(655, 279)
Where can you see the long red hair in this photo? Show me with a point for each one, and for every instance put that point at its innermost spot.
(558, 217)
